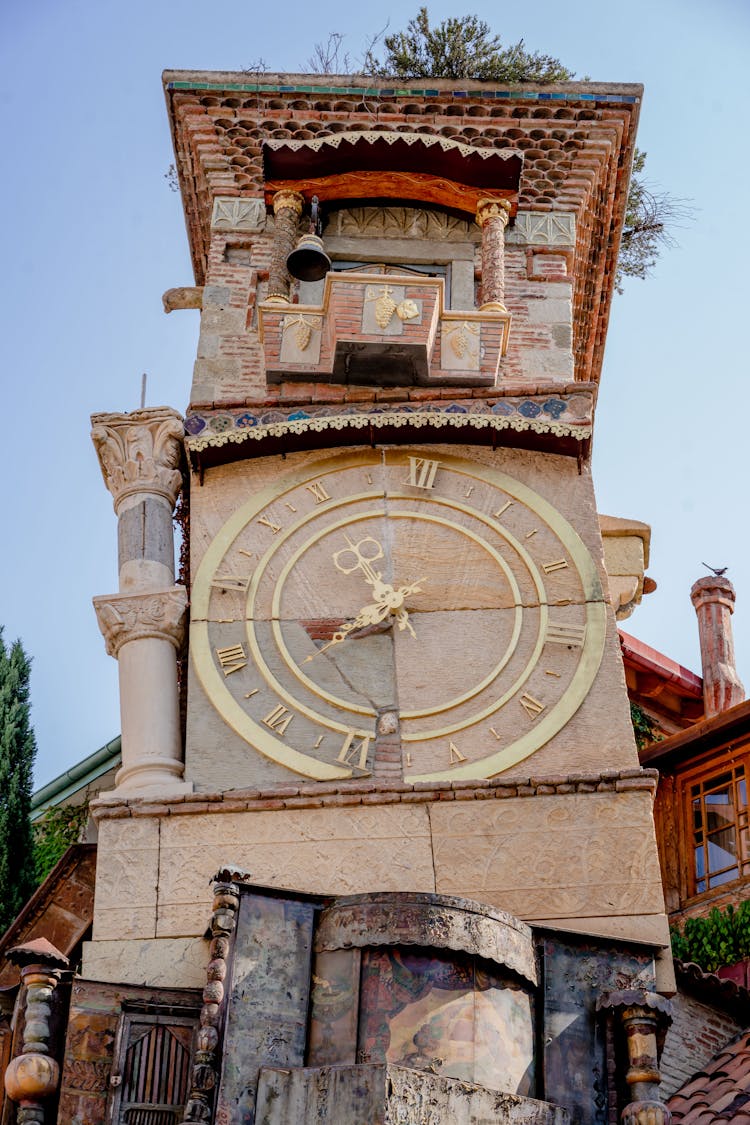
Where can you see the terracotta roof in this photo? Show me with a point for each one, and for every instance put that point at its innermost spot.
(576, 140)
(720, 1092)
(710, 988)
(660, 683)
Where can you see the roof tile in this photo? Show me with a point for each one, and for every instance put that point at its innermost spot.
(720, 1092)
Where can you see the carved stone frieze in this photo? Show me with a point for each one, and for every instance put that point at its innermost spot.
(140, 452)
(231, 213)
(135, 617)
(543, 228)
(401, 222)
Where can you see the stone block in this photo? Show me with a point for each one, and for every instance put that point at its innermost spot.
(551, 857)
(157, 962)
(383, 847)
(230, 213)
(550, 311)
(543, 228)
(546, 363)
(373, 1094)
(127, 870)
(124, 922)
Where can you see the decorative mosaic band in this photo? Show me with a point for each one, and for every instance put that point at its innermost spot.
(543, 416)
(397, 92)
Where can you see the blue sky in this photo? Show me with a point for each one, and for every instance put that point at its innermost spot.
(93, 236)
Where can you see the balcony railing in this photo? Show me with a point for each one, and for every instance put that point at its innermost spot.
(384, 330)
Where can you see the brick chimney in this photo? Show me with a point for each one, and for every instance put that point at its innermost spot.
(713, 598)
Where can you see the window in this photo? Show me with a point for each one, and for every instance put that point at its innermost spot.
(152, 1072)
(719, 825)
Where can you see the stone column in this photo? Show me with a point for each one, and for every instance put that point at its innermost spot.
(287, 208)
(713, 598)
(143, 625)
(644, 1017)
(492, 217)
(33, 1076)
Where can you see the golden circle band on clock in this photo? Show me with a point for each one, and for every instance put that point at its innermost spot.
(401, 590)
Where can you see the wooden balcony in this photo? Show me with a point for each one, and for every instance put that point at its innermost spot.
(386, 330)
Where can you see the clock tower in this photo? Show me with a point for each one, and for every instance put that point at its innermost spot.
(388, 676)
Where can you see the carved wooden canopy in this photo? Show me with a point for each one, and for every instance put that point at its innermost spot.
(418, 167)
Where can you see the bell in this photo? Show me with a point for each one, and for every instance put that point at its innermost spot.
(308, 261)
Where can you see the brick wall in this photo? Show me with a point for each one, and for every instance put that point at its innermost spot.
(230, 365)
(696, 1035)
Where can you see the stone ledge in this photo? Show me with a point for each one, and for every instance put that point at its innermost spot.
(298, 394)
(326, 795)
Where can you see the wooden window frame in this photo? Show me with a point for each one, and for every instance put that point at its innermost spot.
(730, 768)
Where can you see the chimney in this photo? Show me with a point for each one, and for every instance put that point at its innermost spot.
(713, 598)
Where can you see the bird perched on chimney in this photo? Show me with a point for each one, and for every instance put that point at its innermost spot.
(717, 570)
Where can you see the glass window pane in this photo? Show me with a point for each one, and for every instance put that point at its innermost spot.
(722, 850)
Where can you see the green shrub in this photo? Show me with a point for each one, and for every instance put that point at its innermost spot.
(722, 938)
(54, 832)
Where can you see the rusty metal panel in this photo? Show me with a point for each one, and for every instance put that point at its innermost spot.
(60, 910)
(335, 1008)
(268, 998)
(432, 921)
(575, 1059)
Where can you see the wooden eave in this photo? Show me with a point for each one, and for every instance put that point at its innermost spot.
(660, 684)
(726, 731)
(219, 121)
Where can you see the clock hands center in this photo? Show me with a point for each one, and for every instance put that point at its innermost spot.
(389, 600)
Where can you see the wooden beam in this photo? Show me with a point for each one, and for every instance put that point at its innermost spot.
(417, 187)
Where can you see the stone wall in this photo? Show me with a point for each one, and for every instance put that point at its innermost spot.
(542, 852)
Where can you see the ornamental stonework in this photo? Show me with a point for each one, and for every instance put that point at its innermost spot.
(136, 617)
(401, 222)
(238, 214)
(539, 228)
(140, 452)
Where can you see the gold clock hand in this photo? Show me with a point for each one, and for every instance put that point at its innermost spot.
(371, 614)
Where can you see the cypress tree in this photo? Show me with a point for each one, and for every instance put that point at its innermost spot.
(17, 753)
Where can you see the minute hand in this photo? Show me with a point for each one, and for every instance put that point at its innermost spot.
(371, 614)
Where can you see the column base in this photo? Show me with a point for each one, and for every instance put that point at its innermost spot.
(156, 775)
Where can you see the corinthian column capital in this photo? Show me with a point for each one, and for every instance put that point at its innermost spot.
(488, 208)
(288, 200)
(136, 617)
(139, 453)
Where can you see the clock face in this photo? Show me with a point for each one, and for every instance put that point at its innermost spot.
(391, 602)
